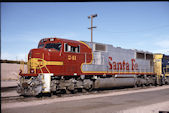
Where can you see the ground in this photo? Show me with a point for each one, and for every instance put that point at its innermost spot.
(149, 100)
(10, 71)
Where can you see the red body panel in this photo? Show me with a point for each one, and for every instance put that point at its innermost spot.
(71, 61)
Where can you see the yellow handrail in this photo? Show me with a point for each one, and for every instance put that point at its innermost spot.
(21, 68)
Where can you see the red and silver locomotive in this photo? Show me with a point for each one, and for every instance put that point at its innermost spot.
(66, 65)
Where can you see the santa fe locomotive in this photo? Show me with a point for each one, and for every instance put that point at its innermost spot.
(59, 65)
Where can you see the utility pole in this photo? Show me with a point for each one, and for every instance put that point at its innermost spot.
(91, 28)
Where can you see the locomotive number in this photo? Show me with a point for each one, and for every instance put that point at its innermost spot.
(71, 57)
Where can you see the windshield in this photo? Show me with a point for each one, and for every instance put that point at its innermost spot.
(56, 46)
(41, 46)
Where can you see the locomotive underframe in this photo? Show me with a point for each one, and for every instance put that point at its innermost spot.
(48, 83)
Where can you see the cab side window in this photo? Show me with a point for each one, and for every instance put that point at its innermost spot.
(73, 49)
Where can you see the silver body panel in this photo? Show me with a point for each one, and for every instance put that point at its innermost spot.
(101, 59)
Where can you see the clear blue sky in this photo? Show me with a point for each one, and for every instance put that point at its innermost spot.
(131, 25)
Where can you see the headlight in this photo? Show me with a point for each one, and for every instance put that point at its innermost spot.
(32, 71)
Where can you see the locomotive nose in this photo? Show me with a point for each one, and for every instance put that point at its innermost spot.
(36, 53)
(35, 59)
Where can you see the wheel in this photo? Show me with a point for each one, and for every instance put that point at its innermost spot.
(90, 88)
(84, 90)
(74, 91)
(50, 94)
(67, 91)
(39, 95)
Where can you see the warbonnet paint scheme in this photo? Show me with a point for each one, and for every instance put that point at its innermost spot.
(66, 65)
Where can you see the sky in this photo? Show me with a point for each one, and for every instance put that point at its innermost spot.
(130, 25)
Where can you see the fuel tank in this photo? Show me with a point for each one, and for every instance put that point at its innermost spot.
(116, 81)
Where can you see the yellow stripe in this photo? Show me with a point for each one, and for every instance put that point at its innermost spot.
(37, 53)
(84, 54)
(45, 91)
(54, 63)
(84, 44)
(42, 63)
(114, 72)
(166, 74)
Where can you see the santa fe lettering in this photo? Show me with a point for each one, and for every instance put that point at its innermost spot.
(122, 65)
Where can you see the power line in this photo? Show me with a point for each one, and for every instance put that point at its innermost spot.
(91, 28)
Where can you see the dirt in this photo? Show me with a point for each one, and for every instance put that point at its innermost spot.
(153, 108)
(10, 71)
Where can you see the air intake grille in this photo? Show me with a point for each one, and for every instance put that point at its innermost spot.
(100, 47)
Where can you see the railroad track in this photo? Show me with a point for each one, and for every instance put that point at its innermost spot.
(4, 89)
(11, 98)
(18, 98)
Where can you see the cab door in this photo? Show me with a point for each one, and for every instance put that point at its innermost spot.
(71, 52)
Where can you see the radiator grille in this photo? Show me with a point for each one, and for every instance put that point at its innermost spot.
(100, 47)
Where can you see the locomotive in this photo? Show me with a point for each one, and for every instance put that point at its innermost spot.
(59, 65)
